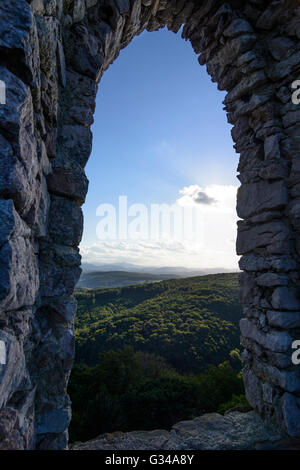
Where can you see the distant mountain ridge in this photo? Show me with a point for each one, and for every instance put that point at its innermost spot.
(96, 276)
(129, 267)
(102, 279)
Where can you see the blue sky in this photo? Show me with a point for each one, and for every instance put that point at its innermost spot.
(159, 129)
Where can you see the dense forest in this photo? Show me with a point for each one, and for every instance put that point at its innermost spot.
(130, 390)
(190, 322)
(149, 356)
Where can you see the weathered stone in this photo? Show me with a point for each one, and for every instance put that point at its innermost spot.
(283, 320)
(273, 171)
(10, 222)
(38, 217)
(47, 27)
(55, 421)
(279, 360)
(61, 64)
(12, 372)
(285, 298)
(18, 268)
(8, 418)
(254, 392)
(19, 274)
(124, 6)
(19, 165)
(271, 280)
(271, 235)
(272, 149)
(284, 67)
(53, 441)
(280, 47)
(285, 379)
(75, 144)
(278, 341)
(231, 50)
(268, 392)
(252, 262)
(64, 307)
(257, 197)
(37, 6)
(18, 38)
(234, 431)
(246, 85)
(68, 183)
(90, 3)
(86, 57)
(294, 213)
(291, 118)
(53, 54)
(59, 279)
(79, 10)
(23, 403)
(291, 414)
(237, 27)
(65, 222)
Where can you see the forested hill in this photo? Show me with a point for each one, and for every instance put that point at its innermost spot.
(190, 322)
(108, 279)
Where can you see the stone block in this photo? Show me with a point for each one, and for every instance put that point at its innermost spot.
(287, 380)
(277, 341)
(86, 58)
(72, 184)
(271, 280)
(237, 27)
(268, 392)
(61, 64)
(18, 38)
(64, 307)
(78, 11)
(271, 147)
(262, 196)
(291, 414)
(281, 47)
(19, 165)
(53, 421)
(283, 320)
(13, 371)
(65, 222)
(272, 235)
(18, 266)
(253, 386)
(124, 6)
(74, 144)
(58, 281)
(285, 298)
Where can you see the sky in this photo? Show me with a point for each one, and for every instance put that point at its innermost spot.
(160, 137)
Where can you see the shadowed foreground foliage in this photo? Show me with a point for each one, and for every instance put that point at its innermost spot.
(131, 390)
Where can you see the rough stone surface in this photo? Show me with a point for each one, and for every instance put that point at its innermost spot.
(53, 56)
(234, 431)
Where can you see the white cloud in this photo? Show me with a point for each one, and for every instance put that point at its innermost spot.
(194, 194)
(215, 206)
(217, 197)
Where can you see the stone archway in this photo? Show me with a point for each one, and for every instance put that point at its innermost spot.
(53, 53)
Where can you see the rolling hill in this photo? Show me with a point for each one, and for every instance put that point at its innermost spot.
(101, 279)
(190, 322)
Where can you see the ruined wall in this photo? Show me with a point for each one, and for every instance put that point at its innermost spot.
(53, 54)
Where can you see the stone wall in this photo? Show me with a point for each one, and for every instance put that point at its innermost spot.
(53, 54)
